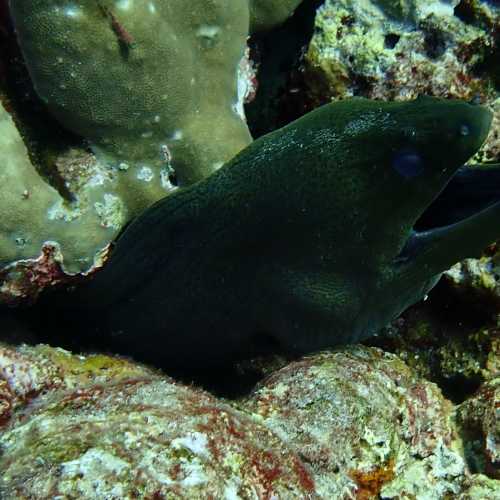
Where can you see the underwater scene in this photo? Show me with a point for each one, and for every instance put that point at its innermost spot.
(250, 249)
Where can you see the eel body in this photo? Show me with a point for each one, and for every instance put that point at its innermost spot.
(305, 240)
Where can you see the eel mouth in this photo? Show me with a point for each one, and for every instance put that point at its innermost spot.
(471, 190)
(459, 214)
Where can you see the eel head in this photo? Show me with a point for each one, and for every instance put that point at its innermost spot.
(388, 203)
(425, 211)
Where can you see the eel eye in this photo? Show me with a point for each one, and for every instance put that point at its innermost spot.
(408, 164)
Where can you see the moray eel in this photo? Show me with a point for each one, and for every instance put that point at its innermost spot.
(305, 240)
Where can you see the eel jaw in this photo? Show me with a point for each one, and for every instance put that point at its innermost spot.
(461, 222)
(469, 191)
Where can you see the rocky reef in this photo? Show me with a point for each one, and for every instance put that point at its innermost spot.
(356, 423)
(149, 96)
(400, 49)
(101, 427)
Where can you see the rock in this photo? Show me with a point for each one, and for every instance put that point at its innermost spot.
(355, 423)
(478, 279)
(452, 343)
(479, 420)
(400, 49)
(365, 424)
(480, 487)
(100, 427)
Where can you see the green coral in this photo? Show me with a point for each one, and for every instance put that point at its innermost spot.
(156, 88)
(38, 214)
(138, 78)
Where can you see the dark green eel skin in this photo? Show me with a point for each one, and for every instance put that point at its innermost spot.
(303, 241)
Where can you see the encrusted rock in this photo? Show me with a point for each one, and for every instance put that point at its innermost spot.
(479, 419)
(356, 423)
(365, 424)
(458, 349)
(399, 49)
(99, 427)
(479, 487)
(478, 278)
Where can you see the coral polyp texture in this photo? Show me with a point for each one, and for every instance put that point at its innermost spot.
(151, 84)
(156, 88)
(352, 424)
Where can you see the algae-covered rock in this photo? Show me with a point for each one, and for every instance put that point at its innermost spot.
(458, 349)
(397, 49)
(99, 427)
(366, 425)
(480, 487)
(479, 279)
(356, 423)
(479, 421)
(26, 372)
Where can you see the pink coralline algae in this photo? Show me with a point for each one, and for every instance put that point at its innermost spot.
(100, 427)
(365, 424)
(349, 424)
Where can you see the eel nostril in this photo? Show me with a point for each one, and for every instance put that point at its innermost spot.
(475, 100)
(464, 130)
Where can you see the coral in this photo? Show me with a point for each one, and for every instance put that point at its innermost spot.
(150, 84)
(39, 218)
(156, 88)
(398, 49)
